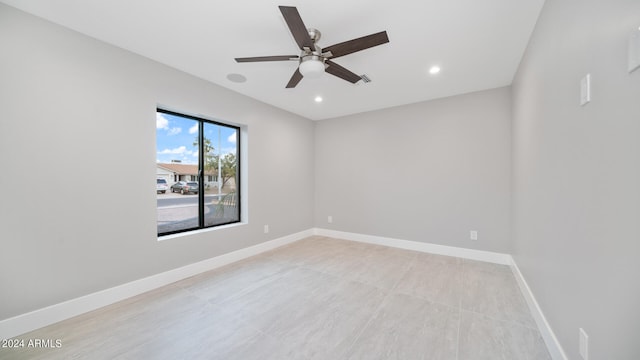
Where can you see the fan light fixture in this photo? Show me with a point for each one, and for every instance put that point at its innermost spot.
(313, 61)
(311, 66)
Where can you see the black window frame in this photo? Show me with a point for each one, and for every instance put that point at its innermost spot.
(201, 173)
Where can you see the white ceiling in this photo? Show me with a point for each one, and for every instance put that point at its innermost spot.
(478, 44)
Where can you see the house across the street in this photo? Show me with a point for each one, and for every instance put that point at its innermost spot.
(174, 172)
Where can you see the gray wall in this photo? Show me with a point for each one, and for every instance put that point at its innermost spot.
(77, 138)
(427, 172)
(577, 175)
(71, 107)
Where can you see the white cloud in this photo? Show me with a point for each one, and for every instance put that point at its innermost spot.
(161, 122)
(193, 129)
(229, 150)
(178, 150)
(232, 138)
(174, 131)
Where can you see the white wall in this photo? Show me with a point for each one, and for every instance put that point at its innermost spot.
(576, 174)
(427, 172)
(69, 106)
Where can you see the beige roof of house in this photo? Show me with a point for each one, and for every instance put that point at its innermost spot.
(183, 169)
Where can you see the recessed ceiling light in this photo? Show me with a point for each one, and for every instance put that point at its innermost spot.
(237, 78)
(434, 70)
(318, 99)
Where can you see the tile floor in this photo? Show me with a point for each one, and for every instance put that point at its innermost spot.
(319, 298)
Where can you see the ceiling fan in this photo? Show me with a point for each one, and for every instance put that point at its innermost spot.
(313, 60)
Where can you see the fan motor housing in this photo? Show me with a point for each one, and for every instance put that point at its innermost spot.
(314, 34)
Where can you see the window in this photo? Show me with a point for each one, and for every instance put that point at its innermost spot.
(196, 151)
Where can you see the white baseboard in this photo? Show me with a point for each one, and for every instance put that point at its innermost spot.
(553, 345)
(51, 314)
(480, 255)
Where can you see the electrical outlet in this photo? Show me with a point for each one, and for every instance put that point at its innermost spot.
(584, 344)
(473, 235)
(330, 219)
(266, 229)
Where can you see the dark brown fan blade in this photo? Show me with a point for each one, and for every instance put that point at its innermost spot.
(351, 46)
(295, 79)
(297, 27)
(339, 71)
(268, 58)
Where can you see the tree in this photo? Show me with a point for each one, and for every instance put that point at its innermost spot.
(228, 162)
(229, 166)
(210, 159)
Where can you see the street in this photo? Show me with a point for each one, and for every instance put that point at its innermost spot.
(177, 211)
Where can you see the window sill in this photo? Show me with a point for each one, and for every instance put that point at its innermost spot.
(200, 231)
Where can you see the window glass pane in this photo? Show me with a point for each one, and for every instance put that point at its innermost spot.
(191, 150)
(177, 164)
(221, 195)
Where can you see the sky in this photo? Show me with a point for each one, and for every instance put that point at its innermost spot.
(175, 136)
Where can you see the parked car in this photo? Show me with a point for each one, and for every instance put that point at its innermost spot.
(185, 187)
(177, 186)
(161, 186)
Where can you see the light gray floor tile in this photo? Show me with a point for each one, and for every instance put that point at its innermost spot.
(494, 293)
(343, 261)
(213, 334)
(317, 313)
(408, 328)
(284, 301)
(314, 249)
(328, 328)
(482, 337)
(371, 264)
(435, 278)
(383, 267)
(319, 298)
(114, 330)
(221, 284)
